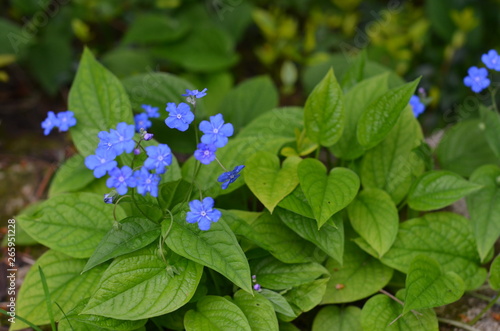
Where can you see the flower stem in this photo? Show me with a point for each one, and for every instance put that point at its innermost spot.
(220, 164)
(457, 324)
(485, 309)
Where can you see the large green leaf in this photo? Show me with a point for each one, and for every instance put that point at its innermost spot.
(427, 286)
(155, 28)
(334, 318)
(356, 101)
(12, 39)
(216, 248)
(381, 313)
(375, 217)
(215, 313)
(491, 122)
(464, 148)
(383, 113)
(99, 102)
(330, 238)
(276, 275)
(484, 208)
(307, 296)
(438, 189)
(153, 286)
(354, 73)
(444, 236)
(269, 232)
(71, 176)
(280, 305)
(72, 223)
(248, 100)
(131, 234)
(358, 277)
(495, 274)
(258, 310)
(268, 133)
(324, 116)
(391, 164)
(327, 194)
(65, 283)
(297, 202)
(268, 181)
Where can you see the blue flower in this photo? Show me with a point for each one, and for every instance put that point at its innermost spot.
(159, 157)
(202, 212)
(491, 60)
(215, 131)
(417, 106)
(66, 120)
(142, 122)
(121, 179)
(195, 93)
(179, 117)
(147, 136)
(102, 162)
(147, 182)
(205, 153)
(123, 138)
(230, 176)
(50, 122)
(477, 79)
(106, 140)
(151, 111)
(108, 198)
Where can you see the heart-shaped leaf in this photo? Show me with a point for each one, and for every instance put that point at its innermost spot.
(427, 286)
(374, 216)
(267, 181)
(438, 189)
(327, 194)
(334, 318)
(258, 310)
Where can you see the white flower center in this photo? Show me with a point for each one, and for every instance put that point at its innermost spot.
(160, 158)
(216, 130)
(121, 179)
(179, 116)
(148, 181)
(206, 153)
(203, 213)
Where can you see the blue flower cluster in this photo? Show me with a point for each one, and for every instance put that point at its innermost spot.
(142, 120)
(416, 105)
(63, 120)
(121, 140)
(477, 78)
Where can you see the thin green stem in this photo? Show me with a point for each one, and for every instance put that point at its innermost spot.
(485, 309)
(493, 93)
(479, 296)
(116, 204)
(220, 164)
(25, 321)
(48, 301)
(457, 324)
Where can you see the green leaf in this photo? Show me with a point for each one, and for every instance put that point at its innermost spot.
(155, 28)
(358, 277)
(258, 310)
(66, 286)
(248, 100)
(216, 248)
(427, 286)
(356, 101)
(438, 189)
(495, 274)
(464, 148)
(71, 176)
(330, 238)
(383, 113)
(152, 287)
(297, 202)
(491, 121)
(173, 193)
(267, 181)
(284, 244)
(99, 102)
(276, 275)
(390, 166)
(215, 313)
(375, 218)
(307, 296)
(72, 223)
(205, 49)
(484, 208)
(12, 39)
(76, 318)
(131, 234)
(354, 74)
(268, 133)
(380, 311)
(280, 305)
(324, 116)
(334, 318)
(443, 236)
(125, 62)
(327, 194)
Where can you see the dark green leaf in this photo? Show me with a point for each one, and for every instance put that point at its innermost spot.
(71, 176)
(258, 310)
(334, 318)
(279, 303)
